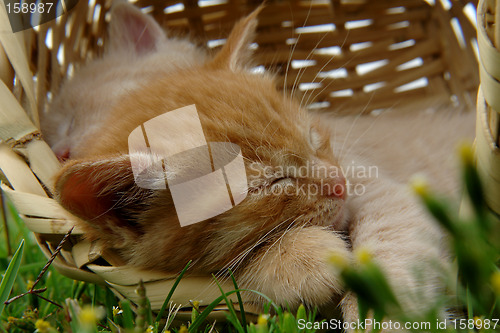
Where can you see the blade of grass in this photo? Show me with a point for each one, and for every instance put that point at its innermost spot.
(171, 292)
(202, 316)
(240, 301)
(172, 312)
(94, 295)
(109, 301)
(127, 315)
(73, 310)
(18, 221)
(470, 307)
(232, 312)
(5, 224)
(113, 326)
(10, 275)
(81, 289)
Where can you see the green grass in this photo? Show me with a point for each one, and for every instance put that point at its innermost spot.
(475, 241)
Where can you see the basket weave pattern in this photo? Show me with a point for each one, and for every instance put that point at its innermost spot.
(488, 102)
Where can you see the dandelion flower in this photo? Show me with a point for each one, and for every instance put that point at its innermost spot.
(90, 315)
(338, 261)
(495, 282)
(478, 322)
(262, 321)
(42, 326)
(363, 255)
(466, 153)
(419, 185)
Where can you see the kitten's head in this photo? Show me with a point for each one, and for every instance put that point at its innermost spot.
(294, 179)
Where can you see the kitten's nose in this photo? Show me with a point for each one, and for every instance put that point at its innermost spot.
(334, 187)
(63, 155)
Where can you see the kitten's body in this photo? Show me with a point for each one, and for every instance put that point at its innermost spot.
(275, 244)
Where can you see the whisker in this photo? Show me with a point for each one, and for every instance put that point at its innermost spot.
(333, 80)
(235, 262)
(352, 125)
(364, 133)
(294, 47)
(299, 74)
(322, 68)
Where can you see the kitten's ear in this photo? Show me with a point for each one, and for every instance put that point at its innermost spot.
(319, 137)
(103, 193)
(235, 53)
(131, 29)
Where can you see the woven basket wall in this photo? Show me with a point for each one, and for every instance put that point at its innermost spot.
(488, 101)
(419, 53)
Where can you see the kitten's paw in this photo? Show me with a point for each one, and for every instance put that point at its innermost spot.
(294, 269)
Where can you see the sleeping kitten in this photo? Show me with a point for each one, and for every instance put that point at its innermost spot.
(274, 243)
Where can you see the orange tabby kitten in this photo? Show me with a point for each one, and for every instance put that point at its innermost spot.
(274, 243)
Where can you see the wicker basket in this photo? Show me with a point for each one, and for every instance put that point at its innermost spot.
(415, 51)
(488, 101)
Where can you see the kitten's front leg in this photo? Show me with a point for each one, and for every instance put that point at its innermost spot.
(293, 269)
(389, 222)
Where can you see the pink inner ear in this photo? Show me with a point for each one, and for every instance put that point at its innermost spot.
(81, 197)
(140, 32)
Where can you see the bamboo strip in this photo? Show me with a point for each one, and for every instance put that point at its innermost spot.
(13, 45)
(202, 289)
(487, 155)
(18, 173)
(36, 206)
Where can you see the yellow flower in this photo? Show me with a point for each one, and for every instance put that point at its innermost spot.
(183, 329)
(116, 311)
(29, 284)
(11, 319)
(478, 322)
(262, 321)
(495, 282)
(338, 260)
(419, 185)
(90, 315)
(466, 153)
(150, 329)
(363, 255)
(42, 326)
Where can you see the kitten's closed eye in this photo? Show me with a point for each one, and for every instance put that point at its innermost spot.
(280, 181)
(283, 183)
